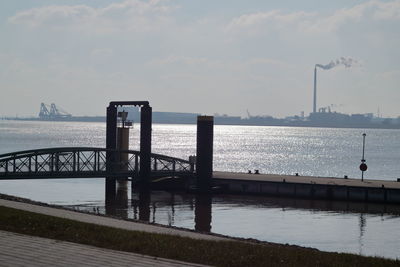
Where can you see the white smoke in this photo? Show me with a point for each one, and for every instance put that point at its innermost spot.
(347, 62)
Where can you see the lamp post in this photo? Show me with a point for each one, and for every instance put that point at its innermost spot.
(363, 166)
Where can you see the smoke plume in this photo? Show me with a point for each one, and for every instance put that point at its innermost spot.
(347, 62)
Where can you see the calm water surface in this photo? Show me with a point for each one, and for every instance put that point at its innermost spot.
(367, 229)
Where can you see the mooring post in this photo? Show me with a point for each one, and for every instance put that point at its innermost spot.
(145, 144)
(111, 128)
(111, 143)
(204, 160)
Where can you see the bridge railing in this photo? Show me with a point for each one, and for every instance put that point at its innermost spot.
(84, 161)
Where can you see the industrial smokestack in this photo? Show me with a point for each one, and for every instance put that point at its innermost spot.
(347, 62)
(315, 90)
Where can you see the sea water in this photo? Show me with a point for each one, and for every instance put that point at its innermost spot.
(367, 229)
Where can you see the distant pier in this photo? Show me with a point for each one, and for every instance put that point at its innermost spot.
(308, 187)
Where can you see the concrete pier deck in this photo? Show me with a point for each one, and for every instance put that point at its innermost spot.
(306, 179)
(309, 187)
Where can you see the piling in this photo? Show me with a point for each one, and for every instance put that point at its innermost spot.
(111, 144)
(204, 160)
(145, 145)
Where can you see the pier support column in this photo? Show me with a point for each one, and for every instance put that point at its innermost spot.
(111, 143)
(204, 159)
(145, 145)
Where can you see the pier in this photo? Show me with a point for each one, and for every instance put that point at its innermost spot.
(309, 187)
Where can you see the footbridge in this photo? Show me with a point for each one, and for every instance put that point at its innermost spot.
(87, 162)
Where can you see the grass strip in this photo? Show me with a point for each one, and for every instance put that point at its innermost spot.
(218, 253)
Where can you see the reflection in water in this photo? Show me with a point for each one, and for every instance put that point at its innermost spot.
(202, 213)
(362, 224)
(116, 198)
(121, 199)
(144, 207)
(110, 195)
(171, 219)
(327, 225)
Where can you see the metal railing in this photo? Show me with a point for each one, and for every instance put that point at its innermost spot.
(73, 162)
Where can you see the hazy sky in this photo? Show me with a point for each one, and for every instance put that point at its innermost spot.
(203, 56)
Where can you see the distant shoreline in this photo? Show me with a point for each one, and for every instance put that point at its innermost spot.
(222, 121)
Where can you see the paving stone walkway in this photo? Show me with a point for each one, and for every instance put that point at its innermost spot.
(22, 250)
(106, 221)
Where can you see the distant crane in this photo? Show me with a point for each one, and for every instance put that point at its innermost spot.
(54, 113)
(248, 113)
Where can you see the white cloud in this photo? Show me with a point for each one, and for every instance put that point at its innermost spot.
(388, 11)
(129, 15)
(313, 22)
(53, 15)
(149, 45)
(267, 20)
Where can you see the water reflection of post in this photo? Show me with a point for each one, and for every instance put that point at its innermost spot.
(362, 224)
(121, 199)
(110, 203)
(171, 216)
(202, 213)
(144, 205)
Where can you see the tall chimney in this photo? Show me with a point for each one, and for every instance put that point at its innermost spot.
(315, 90)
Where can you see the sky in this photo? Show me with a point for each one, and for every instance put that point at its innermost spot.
(207, 57)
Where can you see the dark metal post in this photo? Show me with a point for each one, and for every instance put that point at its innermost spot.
(204, 161)
(111, 143)
(363, 153)
(111, 135)
(145, 144)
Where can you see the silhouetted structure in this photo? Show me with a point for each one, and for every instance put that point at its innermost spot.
(204, 160)
(145, 140)
(53, 114)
